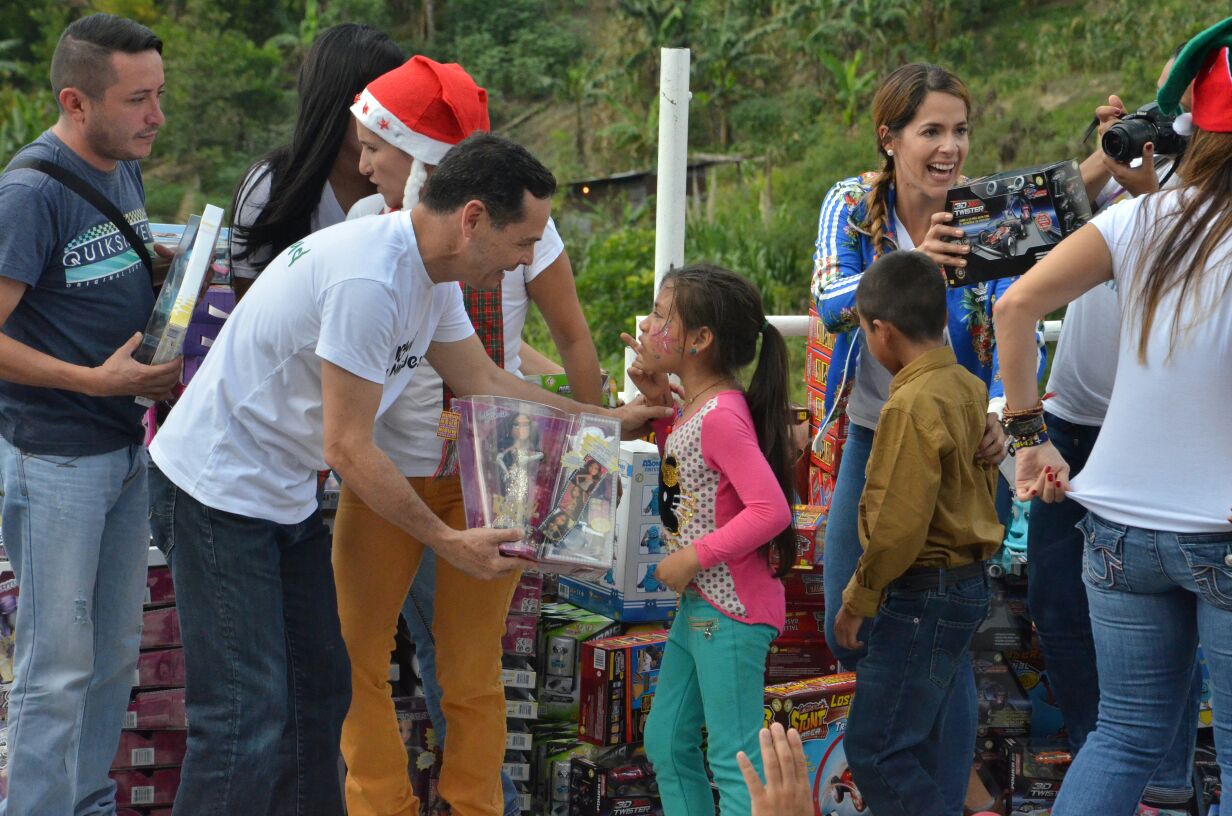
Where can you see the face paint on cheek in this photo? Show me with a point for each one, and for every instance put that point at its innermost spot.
(662, 339)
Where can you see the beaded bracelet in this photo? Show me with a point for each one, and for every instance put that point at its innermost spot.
(1035, 410)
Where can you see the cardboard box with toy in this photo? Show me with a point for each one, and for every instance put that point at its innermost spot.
(1011, 220)
(619, 676)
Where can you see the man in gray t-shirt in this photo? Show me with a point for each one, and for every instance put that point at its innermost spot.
(74, 296)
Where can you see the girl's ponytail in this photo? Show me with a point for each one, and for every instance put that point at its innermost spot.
(769, 406)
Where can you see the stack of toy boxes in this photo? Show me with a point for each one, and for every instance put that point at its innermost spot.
(619, 676)
(817, 707)
(630, 591)
(520, 678)
(564, 630)
(146, 767)
(800, 651)
(828, 452)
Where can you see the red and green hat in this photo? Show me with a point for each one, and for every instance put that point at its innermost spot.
(1206, 61)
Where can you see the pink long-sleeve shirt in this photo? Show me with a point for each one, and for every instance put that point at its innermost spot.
(717, 492)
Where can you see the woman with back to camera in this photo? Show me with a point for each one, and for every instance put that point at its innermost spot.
(1158, 483)
(310, 183)
(921, 124)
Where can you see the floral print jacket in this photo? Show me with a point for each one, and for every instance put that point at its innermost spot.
(844, 249)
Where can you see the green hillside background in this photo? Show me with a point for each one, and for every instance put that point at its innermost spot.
(786, 86)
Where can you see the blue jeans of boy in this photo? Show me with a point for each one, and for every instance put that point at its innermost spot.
(1153, 596)
(712, 676)
(77, 536)
(268, 679)
(842, 552)
(418, 614)
(1058, 603)
(907, 684)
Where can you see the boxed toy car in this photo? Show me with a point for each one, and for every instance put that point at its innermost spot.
(616, 783)
(1036, 769)
(1011, 220)
(563, 629)
(1003, 706)
(817, 707)
(149, 749)
(146, 787)
(619, 676)
(794, 658)
(630, 591)
(162, 668)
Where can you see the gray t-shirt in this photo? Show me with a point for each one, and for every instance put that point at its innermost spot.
(88, 293)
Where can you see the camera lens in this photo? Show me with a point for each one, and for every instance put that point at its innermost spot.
(1124, 141)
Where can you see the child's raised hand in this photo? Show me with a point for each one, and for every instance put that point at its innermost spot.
(678, 569)
(786, 792)
(653, 386)
(847, 629)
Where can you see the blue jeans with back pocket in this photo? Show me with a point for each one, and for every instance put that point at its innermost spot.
(1153, 596)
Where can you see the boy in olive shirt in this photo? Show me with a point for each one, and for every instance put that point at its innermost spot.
(927, 523)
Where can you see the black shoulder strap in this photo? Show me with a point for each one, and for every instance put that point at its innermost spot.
(82, 188)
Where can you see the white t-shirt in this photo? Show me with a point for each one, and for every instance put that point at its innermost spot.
(247, 436)
(1084, 367)
(407, 431)
(253, 198)
(1163, 460)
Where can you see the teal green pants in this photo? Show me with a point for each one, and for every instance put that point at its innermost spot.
(712, 675)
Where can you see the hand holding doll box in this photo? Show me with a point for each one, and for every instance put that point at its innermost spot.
(531, 467)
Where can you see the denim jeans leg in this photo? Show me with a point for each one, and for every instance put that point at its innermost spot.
(1172, 783)
(76, 537)
(1055, 592)
(418, 611)
(957, 734)
(228, 586)
(842, 544)
(1145, 641)
(319, 671)
(906, 684)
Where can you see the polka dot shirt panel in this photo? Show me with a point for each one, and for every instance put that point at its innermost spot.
(699, 487)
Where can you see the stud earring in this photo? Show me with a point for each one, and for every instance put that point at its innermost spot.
(692, 352)
(889, 153)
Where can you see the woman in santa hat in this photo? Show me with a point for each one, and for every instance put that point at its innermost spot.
(1158, 537)
(407, 121)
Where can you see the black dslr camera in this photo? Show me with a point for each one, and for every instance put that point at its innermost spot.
(1124, 141)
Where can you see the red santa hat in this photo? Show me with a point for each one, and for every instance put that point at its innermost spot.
(423, 108)
(1206, 61)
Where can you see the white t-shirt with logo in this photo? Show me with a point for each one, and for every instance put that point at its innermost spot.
(1163, 460)
(247, 436)
(407, 431)
(254, 196)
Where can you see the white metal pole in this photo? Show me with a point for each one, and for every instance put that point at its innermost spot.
(672, 173)
(673, 161)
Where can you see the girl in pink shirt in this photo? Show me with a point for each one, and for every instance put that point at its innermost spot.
(725, 475)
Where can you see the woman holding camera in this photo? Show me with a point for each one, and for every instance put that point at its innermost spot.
(921, 127)
(1158, 540)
